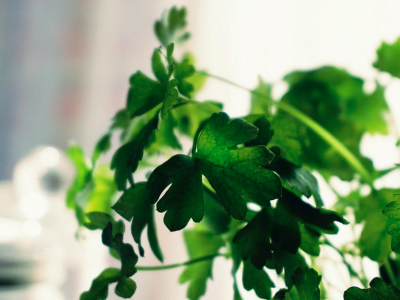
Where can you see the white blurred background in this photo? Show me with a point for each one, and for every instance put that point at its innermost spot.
(64, 68)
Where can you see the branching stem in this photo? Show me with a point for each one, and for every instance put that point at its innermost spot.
(182, 264)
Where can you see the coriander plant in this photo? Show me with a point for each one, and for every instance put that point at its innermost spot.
(264, 159)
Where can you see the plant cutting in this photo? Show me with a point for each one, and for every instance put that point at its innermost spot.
(247, 183)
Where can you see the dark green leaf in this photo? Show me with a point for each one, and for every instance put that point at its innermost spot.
(290, 210)
(295, 177)
(256, 239)
(379, 290)
(389, 58)
(235, 173)
(184, 199)
(215, 219)
(99, 288)
(199, 244)
(257, 280)
(125, 251)
(392, 211)
(134, 203)
(171, 27)
(125, 288)
(264, 130)
(309, 240)
(144, 94)
(121, 120)
(126, 159)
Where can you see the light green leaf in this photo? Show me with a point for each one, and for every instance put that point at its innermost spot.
(389, 58)
(171, 27)
(392, 211)
(199, 244)
(261, 99)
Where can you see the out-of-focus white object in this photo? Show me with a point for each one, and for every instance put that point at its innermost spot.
(40, 181)
(34, 227)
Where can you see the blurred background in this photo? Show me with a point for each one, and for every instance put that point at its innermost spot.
(64, 69)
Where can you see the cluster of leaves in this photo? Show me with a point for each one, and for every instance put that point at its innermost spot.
(245, 182)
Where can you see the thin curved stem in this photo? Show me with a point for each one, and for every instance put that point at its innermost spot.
(182, 264)
(311, 124)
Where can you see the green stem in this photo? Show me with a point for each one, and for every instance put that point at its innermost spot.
(311, 124)
(182, 264)
(390, 272)
(352, 272)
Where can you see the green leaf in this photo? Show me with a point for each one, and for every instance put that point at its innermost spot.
(389, 58)
(199, 244)
(309, 240)
(102, 146)
(82, 181)
(295, 177)
(126, 159)
(261, 99)
(158, 67)
(392, 211)
(257, 280)
(233, 172)
(290, 210)
(374, 241)
(125, 288)
(171, 98)
(215, 219)
(99, 288)
(264, 134)
(256, 238)
(83, 173)
(134, 203)
(144, 94)
(171, 27)
(286, 137)
(379, 290)
(306, 282)
(334, 98)
(125, 251)
(164, 138)
(184, 200)
(184, 70)
(283, 260)
(103, 192)
(121, 120)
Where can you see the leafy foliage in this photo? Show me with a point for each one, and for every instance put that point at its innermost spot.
(199, 244)
(134, 205)
(379, 290)
(244, 182)
(388, 58)
(392, 211)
